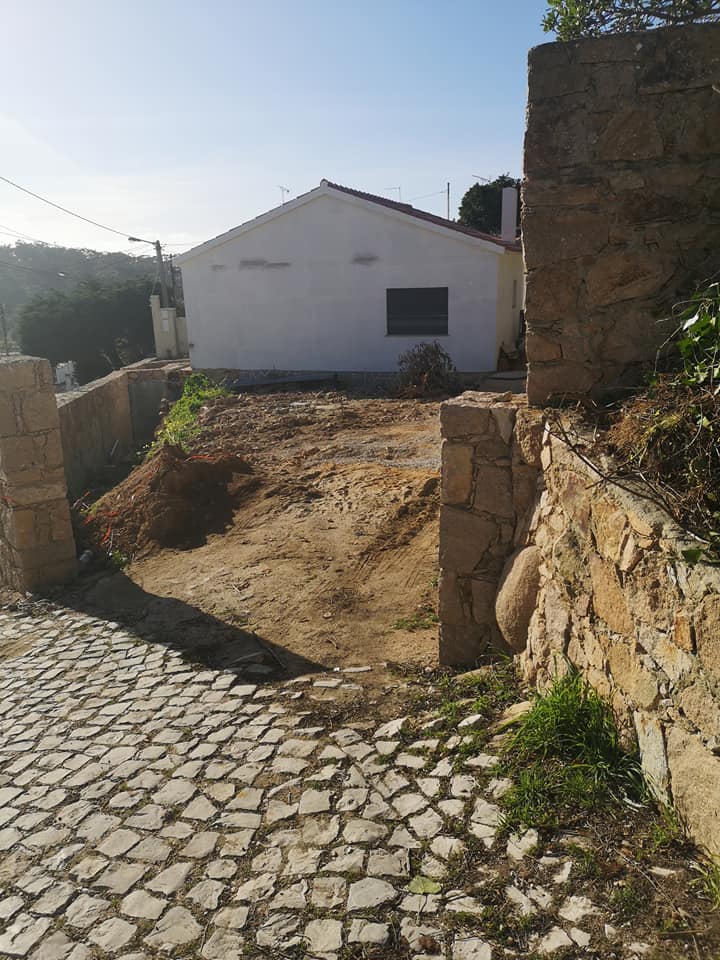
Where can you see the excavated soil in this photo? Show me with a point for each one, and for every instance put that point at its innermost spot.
(308, 519)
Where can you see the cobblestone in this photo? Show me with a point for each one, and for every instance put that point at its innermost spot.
(153, 808)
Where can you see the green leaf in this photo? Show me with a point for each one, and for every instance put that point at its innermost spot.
(424, 885)
(692, 554)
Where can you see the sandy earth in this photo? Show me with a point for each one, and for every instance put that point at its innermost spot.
(332, 540)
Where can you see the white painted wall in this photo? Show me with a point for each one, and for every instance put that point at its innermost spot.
(290, 294)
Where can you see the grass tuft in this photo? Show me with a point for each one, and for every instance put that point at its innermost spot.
(181, 424)
(566, 756)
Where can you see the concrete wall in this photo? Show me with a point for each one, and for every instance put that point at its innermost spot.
(620, 200)
(541, 557)
(37, 547)
(306, 290)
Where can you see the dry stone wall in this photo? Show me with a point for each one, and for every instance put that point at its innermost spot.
(617, 599)
(541, 556)
(621, 200)
(37, 547)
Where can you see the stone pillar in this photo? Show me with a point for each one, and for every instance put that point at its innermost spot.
(37, 547)
(490, 461)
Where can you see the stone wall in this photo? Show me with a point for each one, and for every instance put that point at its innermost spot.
(621, 200)
(617, 599)
(36, 539)
(540, 556)
(108, 418)
(490, 461)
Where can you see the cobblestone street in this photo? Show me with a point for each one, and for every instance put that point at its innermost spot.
(152, 808)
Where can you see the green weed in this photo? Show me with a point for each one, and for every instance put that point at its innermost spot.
(566, 755)
(181, 423)
(422, 619)
(709, 882)
(628, 901)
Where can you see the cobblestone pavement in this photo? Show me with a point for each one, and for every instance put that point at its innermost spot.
(152, 808)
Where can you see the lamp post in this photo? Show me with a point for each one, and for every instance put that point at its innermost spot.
(164, 300)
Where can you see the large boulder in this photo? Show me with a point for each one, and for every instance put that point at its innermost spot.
(517, 596)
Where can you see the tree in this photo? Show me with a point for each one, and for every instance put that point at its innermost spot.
(481, 207)
(98, 327)
(573, 19)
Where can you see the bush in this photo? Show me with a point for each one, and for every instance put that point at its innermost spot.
(426, 370)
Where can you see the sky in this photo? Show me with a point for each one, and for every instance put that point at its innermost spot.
(177, 121)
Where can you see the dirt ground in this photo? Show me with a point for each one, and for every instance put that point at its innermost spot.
(330, 541)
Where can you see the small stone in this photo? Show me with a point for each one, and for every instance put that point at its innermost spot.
(314, 801)
(364, 831)
(221, 869)
(427, 824)
(447, 847)
(352, 799)
(256, 889)
(237, 844)
(170, 879)
(389, 730)
(151, 850)
(363, 931)
(323, 936)
(320, 831)
(556, 939)
(471, 948)
(293, 897)
(206, 894)
(563, 873)
(410, 761)
(452, 808)
(409, 803)
(328, 893)
(200, 809)
(402, 838)
(346, 860)
(575, 908)
(581, 938)
(368, 893)
(234, 918)
(118, 879)
(54, 899)
(278, 810)
(278, 931)
(475, 721)
(176, 928)
(142, 905)
(420, 903)
(519, 846)
(498, 787)
(302, 861)
(382, 863)
(201, 845)
(85, 911)
(112, 934)
(483, 761)
(222, 945)
(268, 861)
(517, 897)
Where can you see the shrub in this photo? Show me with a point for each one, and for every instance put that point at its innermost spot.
(426, 370)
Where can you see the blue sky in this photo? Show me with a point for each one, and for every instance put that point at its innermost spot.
(180, 120)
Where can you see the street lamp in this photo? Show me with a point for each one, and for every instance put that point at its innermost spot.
(164, 299)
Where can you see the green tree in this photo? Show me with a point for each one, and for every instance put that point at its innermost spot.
(481, 207)
(573, 19)
(99, 327)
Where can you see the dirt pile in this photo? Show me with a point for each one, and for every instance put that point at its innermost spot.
(174, 499)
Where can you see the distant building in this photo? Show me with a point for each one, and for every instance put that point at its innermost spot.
(342, 281)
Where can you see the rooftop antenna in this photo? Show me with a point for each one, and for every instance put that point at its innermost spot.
(283, 191)
(388, 189)
(484, 179)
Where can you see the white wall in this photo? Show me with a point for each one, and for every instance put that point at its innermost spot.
(289, 294)
(510, 300)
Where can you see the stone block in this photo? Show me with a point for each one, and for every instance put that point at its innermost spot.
(457, 472)
(493, 491)
(517, 597)
(701, 708)
(464, 416)
(683, 632)
(651, 742)
(608, 597)
(631, 134)
(484, 592)
(707, 634)
(38, 412)
(615, 277)
(20, 373)
(631, 676)
(695, 778)
(529, 428)
(609, 528)
(452, 607)
(462, 645)
(550, 237)
(464, 539)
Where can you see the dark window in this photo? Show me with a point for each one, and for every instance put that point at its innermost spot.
(418, 312)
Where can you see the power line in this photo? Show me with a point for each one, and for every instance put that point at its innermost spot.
(20, 234)
(95, 223)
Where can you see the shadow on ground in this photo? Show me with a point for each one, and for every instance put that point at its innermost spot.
(199, 637)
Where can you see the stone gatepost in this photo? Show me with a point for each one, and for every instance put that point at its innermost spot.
(37, 547)
(490, 463)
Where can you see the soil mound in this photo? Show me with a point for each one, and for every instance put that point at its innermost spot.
(174, 499)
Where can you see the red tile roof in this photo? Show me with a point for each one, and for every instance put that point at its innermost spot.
(423, 215)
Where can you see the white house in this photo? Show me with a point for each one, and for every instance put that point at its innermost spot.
(342, 281)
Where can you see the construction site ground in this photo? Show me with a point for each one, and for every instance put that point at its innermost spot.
(324, 550)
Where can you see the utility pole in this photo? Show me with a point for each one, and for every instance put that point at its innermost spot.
(164, 302)
(448, 200)
(3, 323)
